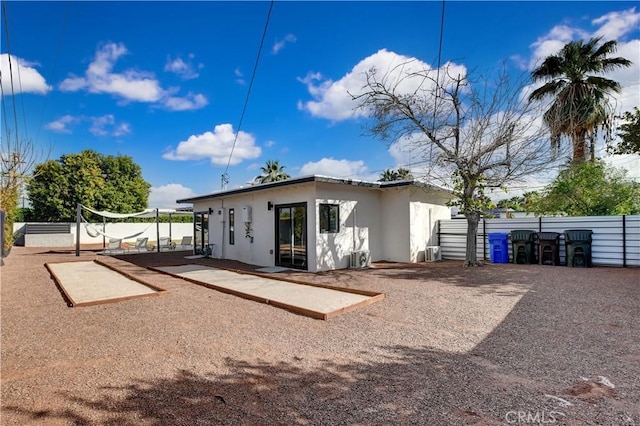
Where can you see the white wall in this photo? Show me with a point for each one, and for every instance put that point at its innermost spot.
(395, 225)
(392, 224)
(359, 225)
(426, 208)
(121, 230)
(261, 250)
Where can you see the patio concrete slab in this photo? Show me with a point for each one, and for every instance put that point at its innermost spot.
(312, 300)
(91, 283)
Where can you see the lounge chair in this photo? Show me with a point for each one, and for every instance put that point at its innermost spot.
(165, 243)
(185, 244)
(114, 246)
(141, 246)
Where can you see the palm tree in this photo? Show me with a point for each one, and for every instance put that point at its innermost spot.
(388, 175)
(272, 172)
(404, 174)
(580, 95)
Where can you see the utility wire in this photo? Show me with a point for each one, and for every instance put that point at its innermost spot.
(435, 100)
(225, 176)
(55, 63)
(13, 98)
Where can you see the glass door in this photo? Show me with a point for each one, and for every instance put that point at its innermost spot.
(291, 234)
(201, 231)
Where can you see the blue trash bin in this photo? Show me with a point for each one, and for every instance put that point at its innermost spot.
(499, 247)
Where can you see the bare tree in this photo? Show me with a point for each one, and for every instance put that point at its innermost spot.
(17, 159)
(473, 134)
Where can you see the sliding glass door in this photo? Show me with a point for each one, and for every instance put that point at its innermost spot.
(201, 231)
(291, 235)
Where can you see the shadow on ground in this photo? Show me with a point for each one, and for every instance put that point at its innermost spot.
(403, 385)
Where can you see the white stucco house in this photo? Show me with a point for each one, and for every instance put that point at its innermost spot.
(316, 223)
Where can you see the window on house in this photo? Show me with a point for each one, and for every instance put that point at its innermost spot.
(232, 223)
(329, 218)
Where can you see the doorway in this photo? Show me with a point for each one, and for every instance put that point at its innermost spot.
(291, 235)
(201, 231)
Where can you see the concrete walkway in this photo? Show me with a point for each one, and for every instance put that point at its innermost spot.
(315, 301)
(90, 283)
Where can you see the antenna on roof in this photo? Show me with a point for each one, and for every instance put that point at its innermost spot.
(224, 179)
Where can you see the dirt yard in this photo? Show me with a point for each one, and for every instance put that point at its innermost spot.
(501, 344)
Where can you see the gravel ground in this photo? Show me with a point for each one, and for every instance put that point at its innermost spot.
(501, 344)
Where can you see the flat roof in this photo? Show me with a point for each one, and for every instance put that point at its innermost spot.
(313, 178)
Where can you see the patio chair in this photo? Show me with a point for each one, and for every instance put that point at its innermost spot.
(141, 246)
(165, 243)
(114, 246)
(185, 244)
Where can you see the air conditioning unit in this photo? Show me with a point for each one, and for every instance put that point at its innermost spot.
(359, 259)
(432, 254)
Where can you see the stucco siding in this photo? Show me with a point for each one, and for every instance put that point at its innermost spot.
(393, 223)
(359, 225)
(394, 218)
(255, 244)
(426, 208)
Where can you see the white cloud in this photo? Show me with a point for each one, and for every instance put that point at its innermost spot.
(26, 79)
(279, 44)
(239, 77)
(216, 146)
(332, 99)
(130, 85)
(185, 70)
(61, 124)
(189, 102)
(614, 25)
(106, 126)
(403, 150)
(165, 196)
(628, 162)
(269, 144)
(336, 168)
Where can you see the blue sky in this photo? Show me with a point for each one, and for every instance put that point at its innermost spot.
(165, 82)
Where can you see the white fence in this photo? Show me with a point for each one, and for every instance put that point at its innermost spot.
(616, 239)
(127, 231)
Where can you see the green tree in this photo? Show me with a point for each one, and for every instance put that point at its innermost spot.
(111, 183)
(589, 189)
(272, 172)
(629, 133)
(473, 132)
(390, 175)
(580, 94)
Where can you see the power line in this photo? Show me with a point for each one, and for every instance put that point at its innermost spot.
(435, 99)
(13, 98)
(225, 176)
(55, 63)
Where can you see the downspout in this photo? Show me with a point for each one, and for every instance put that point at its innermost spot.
(223, 230)
(355, 211)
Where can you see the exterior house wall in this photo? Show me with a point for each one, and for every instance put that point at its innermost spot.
(394, 223)
(426, 208)
(258, 248)
(359, 225)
